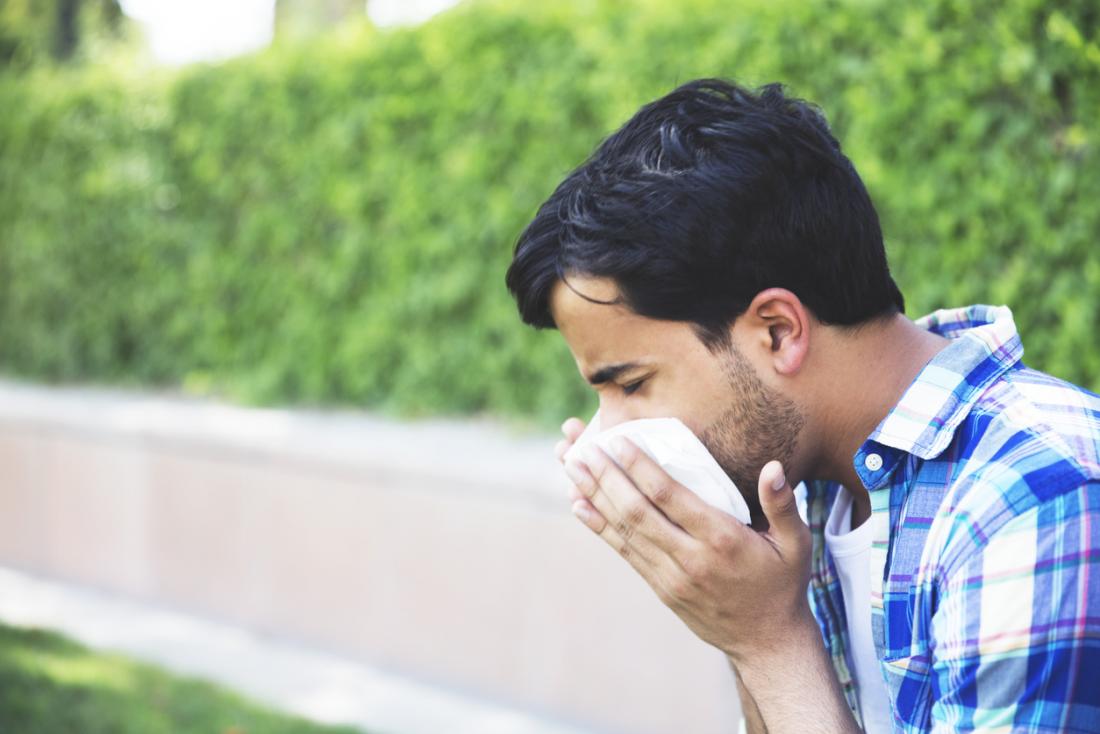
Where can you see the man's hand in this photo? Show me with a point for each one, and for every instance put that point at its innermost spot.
(740, 590)
(572, 429)
(737, 589)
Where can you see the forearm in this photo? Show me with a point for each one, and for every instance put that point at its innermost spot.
(754, 724)
(793, 688)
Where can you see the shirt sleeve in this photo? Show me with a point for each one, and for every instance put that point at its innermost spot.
(1016, 633)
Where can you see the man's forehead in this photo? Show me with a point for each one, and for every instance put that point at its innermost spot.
(576, 294)
(607, 340)
(589, 325)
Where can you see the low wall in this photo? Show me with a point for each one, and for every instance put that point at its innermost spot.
(439, 549)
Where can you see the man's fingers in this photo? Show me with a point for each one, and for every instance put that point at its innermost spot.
(651, 570)
(654, 562)
(623, 534)
(589, 515)
(587, 510)
(572, 428)
(575, 494)
(682, 506)
(626, 507)
(777, 500)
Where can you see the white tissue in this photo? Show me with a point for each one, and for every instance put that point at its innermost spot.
(678, 451)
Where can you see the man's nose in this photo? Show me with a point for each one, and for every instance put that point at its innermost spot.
(610, 416)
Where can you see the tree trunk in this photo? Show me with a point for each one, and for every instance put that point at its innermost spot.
(65, 29)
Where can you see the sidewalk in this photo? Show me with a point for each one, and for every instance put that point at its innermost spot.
(289, 677)
(443, 550)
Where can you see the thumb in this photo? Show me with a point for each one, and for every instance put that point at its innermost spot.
(780, 506)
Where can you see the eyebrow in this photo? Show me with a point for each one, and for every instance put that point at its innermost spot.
(611, 371)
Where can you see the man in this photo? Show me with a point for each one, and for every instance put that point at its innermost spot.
(719, 260)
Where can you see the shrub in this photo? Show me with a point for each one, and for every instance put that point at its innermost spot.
(330, 223)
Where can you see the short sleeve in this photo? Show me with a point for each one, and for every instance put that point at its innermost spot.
(1016, 632)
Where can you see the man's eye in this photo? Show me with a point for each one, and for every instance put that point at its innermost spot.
(628, 389)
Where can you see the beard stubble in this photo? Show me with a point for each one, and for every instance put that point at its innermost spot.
(760, 424)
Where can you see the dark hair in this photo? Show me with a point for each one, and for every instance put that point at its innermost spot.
(703, 199)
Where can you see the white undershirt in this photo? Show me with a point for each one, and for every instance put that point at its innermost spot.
(851, 551)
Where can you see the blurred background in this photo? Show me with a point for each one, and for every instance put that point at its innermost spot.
(269, 420)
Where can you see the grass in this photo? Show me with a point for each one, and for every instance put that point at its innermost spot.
(52, 685)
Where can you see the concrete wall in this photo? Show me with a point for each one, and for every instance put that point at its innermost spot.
(442, 550)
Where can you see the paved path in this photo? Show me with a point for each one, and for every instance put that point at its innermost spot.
(442, 550)
(317, 685)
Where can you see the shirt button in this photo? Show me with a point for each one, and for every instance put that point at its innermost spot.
(873, 462)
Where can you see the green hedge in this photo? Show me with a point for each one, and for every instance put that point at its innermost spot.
(330, 223)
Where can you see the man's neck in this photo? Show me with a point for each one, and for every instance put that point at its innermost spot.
(875, 370)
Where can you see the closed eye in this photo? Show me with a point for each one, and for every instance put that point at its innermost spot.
(632, 387)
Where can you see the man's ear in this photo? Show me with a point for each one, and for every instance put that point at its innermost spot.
(779, 325)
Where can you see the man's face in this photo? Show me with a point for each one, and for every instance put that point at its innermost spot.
(743, 422)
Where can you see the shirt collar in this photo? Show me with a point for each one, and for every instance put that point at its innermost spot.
(984, 345)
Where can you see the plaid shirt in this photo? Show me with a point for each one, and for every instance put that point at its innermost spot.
(985, 564)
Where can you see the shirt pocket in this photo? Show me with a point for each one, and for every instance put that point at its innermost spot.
(909, 682)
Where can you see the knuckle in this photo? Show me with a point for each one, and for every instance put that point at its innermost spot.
(628, 454)
(725, 542)
(625, 551)
(662, 493)
(679, 587)
(624, 528)
(635, 513)
(786, 505)
(693, 568)
(585, 485)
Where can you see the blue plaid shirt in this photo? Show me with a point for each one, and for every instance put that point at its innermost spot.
(985, 565)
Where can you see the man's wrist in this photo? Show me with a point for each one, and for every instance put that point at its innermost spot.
(788, 643)
(791, 681)
(753, 722)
